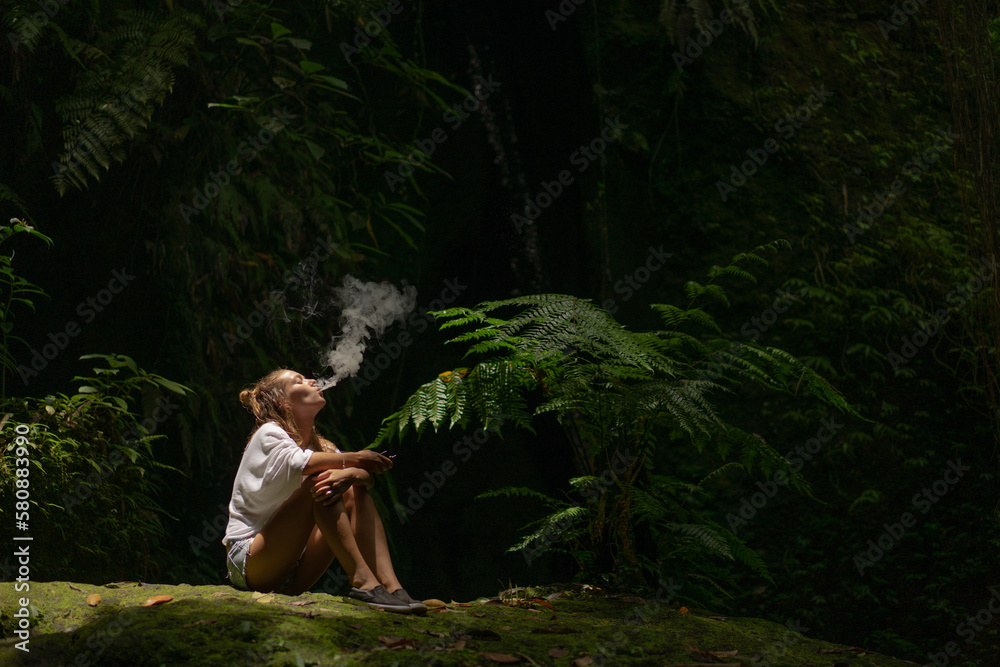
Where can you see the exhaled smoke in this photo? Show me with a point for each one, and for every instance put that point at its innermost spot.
(367, 309)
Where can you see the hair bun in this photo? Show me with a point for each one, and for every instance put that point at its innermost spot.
(246, 396)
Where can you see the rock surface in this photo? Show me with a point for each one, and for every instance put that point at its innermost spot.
(218, 625)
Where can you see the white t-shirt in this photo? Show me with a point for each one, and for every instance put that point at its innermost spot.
(269, 473)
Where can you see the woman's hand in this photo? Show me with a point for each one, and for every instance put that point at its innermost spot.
(372, 461)
(329, 486)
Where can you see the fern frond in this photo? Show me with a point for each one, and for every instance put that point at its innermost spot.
(706, 537)
(115, 101)
(517, 492)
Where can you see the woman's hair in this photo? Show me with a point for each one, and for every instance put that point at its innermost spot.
(266, 399)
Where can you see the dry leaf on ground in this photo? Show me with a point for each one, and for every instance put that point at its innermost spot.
(158, 599)
(395, 641)
(93, 599)
(502, 658)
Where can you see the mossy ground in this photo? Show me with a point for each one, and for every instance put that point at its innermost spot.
(217, 625)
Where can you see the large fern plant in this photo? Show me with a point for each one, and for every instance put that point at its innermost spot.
(129, 72)
(620, 396)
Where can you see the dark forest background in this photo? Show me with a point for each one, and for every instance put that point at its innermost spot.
(860, 132)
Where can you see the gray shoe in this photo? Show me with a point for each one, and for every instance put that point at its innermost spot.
(379, 598)
(416, 606)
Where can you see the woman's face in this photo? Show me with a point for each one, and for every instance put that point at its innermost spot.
(303, 395)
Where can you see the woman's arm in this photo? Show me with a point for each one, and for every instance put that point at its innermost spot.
(329, 486)
(373, 462)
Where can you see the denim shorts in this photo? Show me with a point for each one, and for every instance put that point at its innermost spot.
(236, 564)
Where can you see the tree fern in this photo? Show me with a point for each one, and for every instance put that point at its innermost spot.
(616, 391)
(115, 100)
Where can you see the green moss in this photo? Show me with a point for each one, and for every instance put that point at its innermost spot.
(217, 625)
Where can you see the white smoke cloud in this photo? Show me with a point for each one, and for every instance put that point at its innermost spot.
(367, 309)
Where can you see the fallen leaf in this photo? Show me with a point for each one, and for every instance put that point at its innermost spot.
(221, 594)
(478, 615)
(459, 644)
(302, 603)
(435, 603)
(79, 590)
(266, 599)
(505, 627)
(158, 599)
(557, 653)
(460, 604)
(494, 601)
(257, 594)
(543, 603)
(356, 626)
(537, 611)
(93, 600)
(584, 661)
(395, 641)
(502, 658)
(713, 657)
(204, 621)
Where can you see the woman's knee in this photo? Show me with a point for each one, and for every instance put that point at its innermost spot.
(353, 496)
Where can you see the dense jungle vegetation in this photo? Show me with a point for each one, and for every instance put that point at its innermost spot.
(707, 290)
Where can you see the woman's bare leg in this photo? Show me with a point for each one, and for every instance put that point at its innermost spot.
(335, 524)
(324, 531)
(313, 564)
(369, 534)
(275, 549)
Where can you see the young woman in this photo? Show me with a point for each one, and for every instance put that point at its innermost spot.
(299, 502)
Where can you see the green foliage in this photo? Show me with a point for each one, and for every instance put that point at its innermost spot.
(676, 16)
(93, 473)
(623, 398)
(129, 73)
(14, 289)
